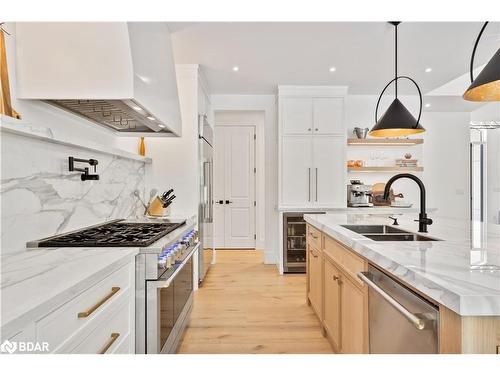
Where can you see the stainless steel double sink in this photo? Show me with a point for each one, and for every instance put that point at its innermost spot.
(386, 233)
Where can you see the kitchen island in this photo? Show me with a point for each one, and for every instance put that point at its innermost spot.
(458, 273)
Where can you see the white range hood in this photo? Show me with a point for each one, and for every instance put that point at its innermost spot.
(117, 74)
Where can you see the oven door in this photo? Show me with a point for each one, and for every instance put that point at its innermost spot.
(168, 301)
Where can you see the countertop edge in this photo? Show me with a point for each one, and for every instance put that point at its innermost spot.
(457, 303)
(19, 323)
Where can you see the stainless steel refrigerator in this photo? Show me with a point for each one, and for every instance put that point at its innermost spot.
(205, 210)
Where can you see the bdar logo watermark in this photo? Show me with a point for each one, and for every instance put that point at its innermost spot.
(24, 347)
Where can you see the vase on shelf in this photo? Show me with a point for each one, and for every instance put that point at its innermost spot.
(142, 147)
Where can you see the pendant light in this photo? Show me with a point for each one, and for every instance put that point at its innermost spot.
(486, 86)
(397, 121)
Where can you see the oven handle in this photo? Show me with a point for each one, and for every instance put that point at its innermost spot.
(415, 320)
(166, 283)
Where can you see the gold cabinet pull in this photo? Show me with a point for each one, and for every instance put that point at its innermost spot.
(114, 336)
(85, 314)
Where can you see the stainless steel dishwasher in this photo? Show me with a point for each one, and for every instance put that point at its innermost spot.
(400, 321)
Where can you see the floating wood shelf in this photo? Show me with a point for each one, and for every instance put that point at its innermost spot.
(386, 169)
(384, 142)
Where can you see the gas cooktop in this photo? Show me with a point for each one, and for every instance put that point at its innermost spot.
(114, 234)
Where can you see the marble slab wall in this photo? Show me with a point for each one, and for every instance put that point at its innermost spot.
(41, 198)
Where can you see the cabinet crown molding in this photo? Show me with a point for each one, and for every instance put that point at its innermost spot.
(323, 91)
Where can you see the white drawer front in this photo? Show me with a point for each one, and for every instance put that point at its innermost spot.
(113, 334)
(64, 323)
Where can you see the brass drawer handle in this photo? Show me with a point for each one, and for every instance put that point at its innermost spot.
(312, 235)
(112, 339)
(85, 314)
(337, 279)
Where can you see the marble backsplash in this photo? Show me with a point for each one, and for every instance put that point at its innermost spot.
(41, 198)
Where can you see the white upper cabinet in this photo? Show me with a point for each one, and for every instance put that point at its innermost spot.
(297, 115)
(312, 171)
(328, 115)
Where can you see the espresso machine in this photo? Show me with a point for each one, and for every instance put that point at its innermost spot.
(359, 194)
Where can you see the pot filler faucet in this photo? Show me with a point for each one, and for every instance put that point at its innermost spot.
(423, 221)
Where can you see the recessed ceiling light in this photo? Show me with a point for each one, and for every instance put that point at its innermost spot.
(151, 118)
(428, 70)
(236, 68)
(161, 126)
(427, 105)
(332, 69)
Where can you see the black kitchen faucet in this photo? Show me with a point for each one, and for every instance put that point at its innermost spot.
(423, 220)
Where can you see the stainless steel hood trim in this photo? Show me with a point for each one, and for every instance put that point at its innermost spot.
(117, 115)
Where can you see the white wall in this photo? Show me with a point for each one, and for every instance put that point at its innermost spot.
(267, 104)
(446, 150)
(175, 160)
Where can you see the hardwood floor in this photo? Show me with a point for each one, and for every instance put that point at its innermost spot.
(245, 306)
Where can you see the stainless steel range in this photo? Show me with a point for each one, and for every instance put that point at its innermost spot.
(164, 273)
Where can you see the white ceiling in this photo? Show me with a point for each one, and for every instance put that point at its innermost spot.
(295, 53)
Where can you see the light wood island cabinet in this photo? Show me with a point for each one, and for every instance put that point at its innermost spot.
(343, 312)
(340, 300)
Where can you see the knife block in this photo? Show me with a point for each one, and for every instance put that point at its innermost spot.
(155, 207)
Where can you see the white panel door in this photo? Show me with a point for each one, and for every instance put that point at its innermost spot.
(235, 159)
(297, 115)
(329, 171)
(328, 115)
(296, 172)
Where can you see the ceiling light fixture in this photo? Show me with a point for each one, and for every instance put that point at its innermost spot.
(427, 105)
(397, 120)
(332, 69)
(151, 118)
(486, 86)
(428, 70)
(161, 126)
(236, 68)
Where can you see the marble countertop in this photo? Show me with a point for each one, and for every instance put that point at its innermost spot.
(36, 281)
(461, 272)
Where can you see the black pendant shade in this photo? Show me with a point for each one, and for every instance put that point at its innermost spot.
(396, 121)
(486, 86)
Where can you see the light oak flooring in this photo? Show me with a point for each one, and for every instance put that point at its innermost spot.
(245, 306)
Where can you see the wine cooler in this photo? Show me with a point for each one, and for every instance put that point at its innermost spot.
(294, 242)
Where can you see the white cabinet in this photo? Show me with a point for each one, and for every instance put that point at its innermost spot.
(313, 171)
(99, 320)
(312, 138)
(306, 115)
(328, 114)
(329, 170)
(297, 115)
(296, 171)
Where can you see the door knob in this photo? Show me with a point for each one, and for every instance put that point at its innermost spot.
(221, 202)
(228, 202)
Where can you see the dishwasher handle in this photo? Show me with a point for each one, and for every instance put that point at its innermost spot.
(419, 323)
